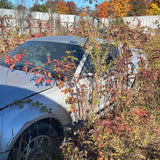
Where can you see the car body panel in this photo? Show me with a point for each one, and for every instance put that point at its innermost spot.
(24, 85)
(24, 117)
(18, 85)
(62, 39)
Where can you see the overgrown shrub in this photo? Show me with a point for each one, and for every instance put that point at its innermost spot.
(132, 130)
(128, 125)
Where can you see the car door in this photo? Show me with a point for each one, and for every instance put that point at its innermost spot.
(88, 89)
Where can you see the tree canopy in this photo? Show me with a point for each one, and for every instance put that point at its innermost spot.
(157, 2)
(39, 7)
(72, 7)
(121, 8)
(62, 8)
(21, 7)
(138, 8)
(112, 8)
(118, 8)
(153, 9)
(56, 6)
(102, 10)
(6, 4)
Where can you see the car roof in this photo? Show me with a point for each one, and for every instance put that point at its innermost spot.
(62, 39)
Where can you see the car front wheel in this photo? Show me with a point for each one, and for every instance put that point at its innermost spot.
(39, 142)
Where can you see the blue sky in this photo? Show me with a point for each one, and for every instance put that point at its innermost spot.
(79, 3)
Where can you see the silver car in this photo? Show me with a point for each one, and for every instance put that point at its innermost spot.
(36, 113)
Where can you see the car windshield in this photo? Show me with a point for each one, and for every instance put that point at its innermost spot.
(37, 52)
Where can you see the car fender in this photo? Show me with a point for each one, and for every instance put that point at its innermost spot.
(29, 114)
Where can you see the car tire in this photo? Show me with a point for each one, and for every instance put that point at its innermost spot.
(40, 141)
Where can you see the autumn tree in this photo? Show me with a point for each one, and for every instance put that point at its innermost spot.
(72, 7)
(138, 8)
(153, 9)
(157, 2)
(39, 7)
(118, 8)
(83, 12)
(48, 4)
(21, 7)
(102, 10)
(52, 4)
(6, 4)
(61, 7)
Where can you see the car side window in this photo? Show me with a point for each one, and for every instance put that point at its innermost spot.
(109, 51)
(87, 68)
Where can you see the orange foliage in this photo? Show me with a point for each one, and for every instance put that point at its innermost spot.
(62, 8)
(119, 8)
(72, 7)
(102, 10)
(83, 13)
(158, 2)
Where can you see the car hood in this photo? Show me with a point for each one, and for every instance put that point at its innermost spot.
(16, 85)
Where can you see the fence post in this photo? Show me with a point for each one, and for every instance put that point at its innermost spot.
(59, 21)
(74, 23)
(16, 20)
(54, 27)
(50, 20)
(109, 21)
(98, 24)
(92, 22)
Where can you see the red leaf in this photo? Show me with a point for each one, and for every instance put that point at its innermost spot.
(107, 122)
(101, 145)
(118, 118)
(38, 80)
(67, 66)
(123, 126)
(18, 57)
(49, 60)
(24, 55)
(74, 108)
(42, 78)
(142, 112)
(65, 90)
(12, 66)
(7, 60)
(25, 68)
(101, 154)
(48, 81)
